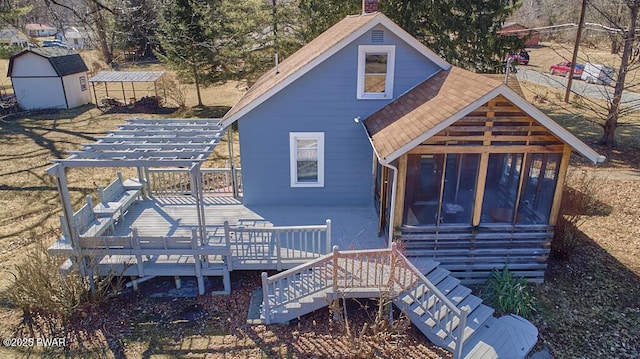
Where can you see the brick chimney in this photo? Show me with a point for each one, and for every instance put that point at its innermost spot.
(369, 6)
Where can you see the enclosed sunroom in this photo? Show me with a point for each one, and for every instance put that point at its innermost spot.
(478, 175)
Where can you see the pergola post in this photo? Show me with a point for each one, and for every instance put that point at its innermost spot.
(133, 88)
(57, 170)
(142, 179)
(196, 191)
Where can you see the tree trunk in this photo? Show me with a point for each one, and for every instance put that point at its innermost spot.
(197, 81)
(101, 33)
(615, 45)
(609, 135)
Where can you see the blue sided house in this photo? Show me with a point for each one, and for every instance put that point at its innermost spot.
(370, 167)
(459, 167)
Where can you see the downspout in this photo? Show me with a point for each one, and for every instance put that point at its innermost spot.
(394, 186)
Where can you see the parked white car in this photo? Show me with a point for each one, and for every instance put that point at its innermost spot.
(597, 74)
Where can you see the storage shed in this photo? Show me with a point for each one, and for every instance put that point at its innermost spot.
(531, 37)
(49, 78)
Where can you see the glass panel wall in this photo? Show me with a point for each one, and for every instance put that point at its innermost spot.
(538, 188)
(501, 189)
(440, 189)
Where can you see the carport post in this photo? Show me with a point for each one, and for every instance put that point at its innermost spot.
(124, 97)
(93, 85)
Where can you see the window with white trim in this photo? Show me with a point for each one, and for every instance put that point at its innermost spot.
(375, 71)
(307, 159)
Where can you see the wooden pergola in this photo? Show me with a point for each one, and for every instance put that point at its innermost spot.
(144, 143)
(131, 77)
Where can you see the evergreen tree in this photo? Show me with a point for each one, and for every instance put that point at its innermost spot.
(136, 26)
(189, 33)
(463, 32)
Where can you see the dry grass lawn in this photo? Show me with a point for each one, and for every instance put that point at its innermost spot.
(589, 306)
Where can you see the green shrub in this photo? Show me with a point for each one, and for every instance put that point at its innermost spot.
(509, 294)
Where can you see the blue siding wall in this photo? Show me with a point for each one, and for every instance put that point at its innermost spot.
(323, 100)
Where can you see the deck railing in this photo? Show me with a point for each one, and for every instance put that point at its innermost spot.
(278, 244)
(177, 181)
(385, 271)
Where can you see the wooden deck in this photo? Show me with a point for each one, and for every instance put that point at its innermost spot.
(352, 227)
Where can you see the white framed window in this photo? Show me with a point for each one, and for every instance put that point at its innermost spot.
(83, 83)
(307, 159)
(375, 71)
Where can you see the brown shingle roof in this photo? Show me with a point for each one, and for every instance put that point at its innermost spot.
(302, 57)
(424, 107)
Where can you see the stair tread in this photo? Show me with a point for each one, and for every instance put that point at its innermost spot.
(421, 308)
(437, 275)
(470, 303)
(475, 322)
(424, 265)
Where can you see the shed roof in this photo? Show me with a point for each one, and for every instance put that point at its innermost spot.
(151, 143)
(39, 27)
(314, 53)
(438, 102)
(64, 61)
(127, 76)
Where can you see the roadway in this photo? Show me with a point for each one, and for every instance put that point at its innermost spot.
(579, 87)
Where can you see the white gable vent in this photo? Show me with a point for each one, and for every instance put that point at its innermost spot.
(377, 36)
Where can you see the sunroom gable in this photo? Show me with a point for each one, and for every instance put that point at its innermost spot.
(499, 126)
(441, 101)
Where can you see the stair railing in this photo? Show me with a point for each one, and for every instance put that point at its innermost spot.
(285, 287)
(442, 311)
(384, 270)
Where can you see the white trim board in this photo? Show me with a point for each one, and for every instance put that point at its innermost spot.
(293, 157)
(363, 50)
(518, 101)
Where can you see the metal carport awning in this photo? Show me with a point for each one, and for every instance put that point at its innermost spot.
(126, 76)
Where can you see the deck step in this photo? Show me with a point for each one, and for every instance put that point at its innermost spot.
(423, 264)
(470, 303)
(475, 322)
(509, 336)
(437, 275)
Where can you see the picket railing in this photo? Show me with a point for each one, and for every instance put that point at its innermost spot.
(385, 271)
(277, 244)
(177, 181)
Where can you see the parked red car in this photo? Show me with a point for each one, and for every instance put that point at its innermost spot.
(564, 67)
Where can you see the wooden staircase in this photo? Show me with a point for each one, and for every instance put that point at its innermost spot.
(435, 302)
